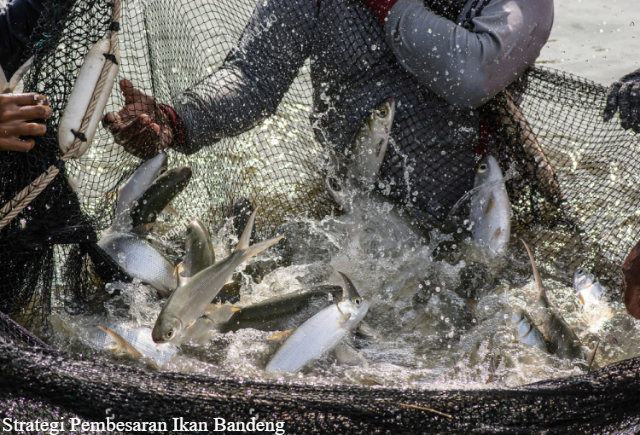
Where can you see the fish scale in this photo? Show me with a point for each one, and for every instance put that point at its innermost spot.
(140, 260)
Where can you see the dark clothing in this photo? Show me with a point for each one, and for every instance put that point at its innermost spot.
(17, 21)
(430, 161)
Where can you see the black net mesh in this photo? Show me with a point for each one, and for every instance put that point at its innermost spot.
(573, 192)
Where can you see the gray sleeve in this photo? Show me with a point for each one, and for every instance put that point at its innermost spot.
(469, 67)
(254, 77)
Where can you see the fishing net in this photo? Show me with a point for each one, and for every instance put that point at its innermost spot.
(572, 181)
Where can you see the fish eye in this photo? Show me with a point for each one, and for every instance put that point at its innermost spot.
(482, 168)
(357, 301)
(580, 271)
(170, 333)
(382, 112)
(334, 184)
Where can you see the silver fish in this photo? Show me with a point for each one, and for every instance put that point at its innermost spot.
(371, 141)
(490, 209)
(135, 186)
(147, 207)
(140, 260)
(262, 315)
(136, 342)
(321, 333)
(528, 332)
(199, 253)
(188, 302)
(587, 287)
(564, 342)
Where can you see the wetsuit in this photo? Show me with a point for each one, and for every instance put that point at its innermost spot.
(437, 68)
(17, 21)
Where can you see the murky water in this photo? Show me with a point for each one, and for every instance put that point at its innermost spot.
(436, 309)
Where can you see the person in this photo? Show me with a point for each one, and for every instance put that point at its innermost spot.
(17, 111)
(440, 60)
(624, 95)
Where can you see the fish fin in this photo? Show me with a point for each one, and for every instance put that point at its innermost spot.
(4, 85)
(581, 299)
(348, 355)
(121, 342)
(189, 324)
(259, 247)
(490, 204)
(345, 318)
(349, 289)
(211, 308)
(280, 336)
(243, 243)
(590, 355)
(542, 294)
(143, 229)
(366, 330)
(153, 364)
(17, 76)
(229, 282)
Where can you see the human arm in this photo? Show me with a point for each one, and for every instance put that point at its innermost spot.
(17, 21)
(247, 88)
(625, 96)
(468, 67)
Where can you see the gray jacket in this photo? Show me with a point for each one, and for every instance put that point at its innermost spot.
(437, 70)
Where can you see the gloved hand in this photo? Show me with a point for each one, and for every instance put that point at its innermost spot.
(17, 111)
(381, 8)
(625, 95)
(142, 127)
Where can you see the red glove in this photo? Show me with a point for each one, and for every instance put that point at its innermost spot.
(179, 130)
(381, 8)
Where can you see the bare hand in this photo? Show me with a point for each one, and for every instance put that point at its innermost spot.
(140, 126)
(16, 113)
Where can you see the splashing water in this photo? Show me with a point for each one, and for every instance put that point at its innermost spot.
(437, 310)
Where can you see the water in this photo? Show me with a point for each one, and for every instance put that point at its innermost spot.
(436, 308)
(594, 39)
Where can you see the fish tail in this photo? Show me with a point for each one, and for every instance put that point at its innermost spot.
(259, 247)
(243, 243)
(542, 294)
(590, 355)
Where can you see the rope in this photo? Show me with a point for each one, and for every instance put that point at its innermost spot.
(29, 193)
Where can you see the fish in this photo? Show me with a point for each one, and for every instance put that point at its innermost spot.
(187, 303)
(136, 343)
(135, 186)
(122, 346)
(199, 253)
(139, 259)
(587, 287)
(370, 144)
(490, 208)
(155, 198)
(261, 315)
(322, 332)
(563, 340)
(527, 331)
(240, 211)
